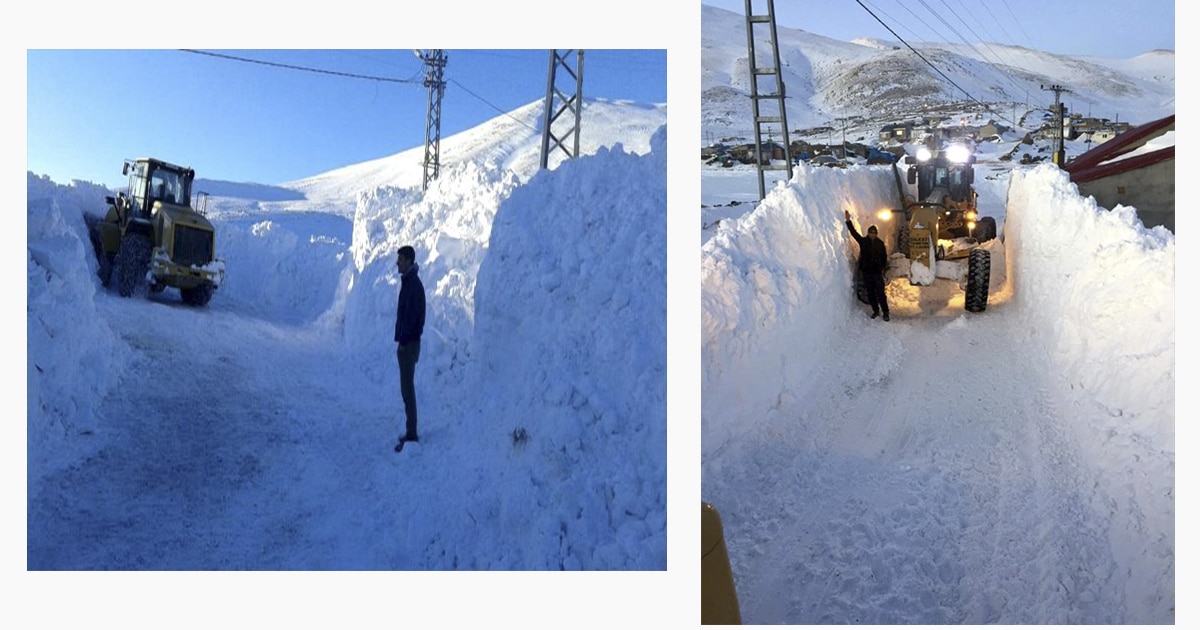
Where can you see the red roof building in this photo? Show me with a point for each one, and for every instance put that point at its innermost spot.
(1136, 168)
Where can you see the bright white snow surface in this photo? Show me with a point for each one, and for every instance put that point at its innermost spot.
(256, 433)
(1011, 466)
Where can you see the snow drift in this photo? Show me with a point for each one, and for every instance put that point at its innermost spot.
(73, 356)
(774, 285)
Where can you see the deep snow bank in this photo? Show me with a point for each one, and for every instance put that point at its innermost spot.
(1096, 289)
(449, 226)
(1099, 287)
(775, 285)
(74, 358)
(571, 361)
(278, 267)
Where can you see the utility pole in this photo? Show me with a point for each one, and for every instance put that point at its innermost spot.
(569, 103)
(758, 97)
(1060, 156)
(435, 62)
(843, 139)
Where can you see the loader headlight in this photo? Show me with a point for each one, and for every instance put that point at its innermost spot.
(958, 154)
(972, 215)
(923, 154)
(970, 225)
(885, 214)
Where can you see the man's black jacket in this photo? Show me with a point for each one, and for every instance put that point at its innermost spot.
(872, 257)
(410, 307)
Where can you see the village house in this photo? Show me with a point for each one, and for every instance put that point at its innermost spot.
(1136, 168)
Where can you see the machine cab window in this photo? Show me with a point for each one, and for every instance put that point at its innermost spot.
(167, 186)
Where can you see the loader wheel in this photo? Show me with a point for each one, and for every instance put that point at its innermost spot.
(902, 238)
(104, 270)
(985, 229)
(979, 267)
(198, 296)
(860, 288)
(104, 262)
(131, 263)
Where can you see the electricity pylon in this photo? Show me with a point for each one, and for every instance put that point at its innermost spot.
(568, 104)
(435, 62)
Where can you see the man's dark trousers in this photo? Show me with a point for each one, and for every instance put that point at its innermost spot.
(407, 355)
(875, 295)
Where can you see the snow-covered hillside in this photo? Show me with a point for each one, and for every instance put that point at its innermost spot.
(510, 142)
(257, 432)
(883, 82)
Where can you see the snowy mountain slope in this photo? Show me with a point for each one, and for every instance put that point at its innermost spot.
(511, 141)
(828, 79)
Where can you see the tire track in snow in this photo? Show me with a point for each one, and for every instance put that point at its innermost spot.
(199, 456)
(925, 486)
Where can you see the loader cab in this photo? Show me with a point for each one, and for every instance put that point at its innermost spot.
(949, 169)
(153, 181)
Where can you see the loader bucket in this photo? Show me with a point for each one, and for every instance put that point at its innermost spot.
(718, 597)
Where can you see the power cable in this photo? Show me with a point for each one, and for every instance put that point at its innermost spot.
(997, 21)
(902, 24)
(1018, 23)
(991, 66)
(917, 53)
(302, 68)
(917, 18)
(994, 66)
(489, 104)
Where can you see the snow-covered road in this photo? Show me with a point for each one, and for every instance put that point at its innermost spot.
(213, 447)
(963, 509)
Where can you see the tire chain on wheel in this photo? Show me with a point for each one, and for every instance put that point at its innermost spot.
(986, 229)
(198, 296)
(860, 288)
(979, 266)
(131, 264)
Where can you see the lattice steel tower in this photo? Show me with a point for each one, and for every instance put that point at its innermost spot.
(770, 112)
(435, 62)
(568, 104)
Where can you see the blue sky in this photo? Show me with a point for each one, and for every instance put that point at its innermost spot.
(1097, 28)
(243, 121)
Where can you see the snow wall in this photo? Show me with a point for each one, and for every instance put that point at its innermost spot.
(449, 227)
(1099, 287)
(540, 294)
(284, 267)
(777, 282)
(571, 352)
(74, 358)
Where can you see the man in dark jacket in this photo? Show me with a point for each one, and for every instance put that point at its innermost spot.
(872, 262)
(410, 322)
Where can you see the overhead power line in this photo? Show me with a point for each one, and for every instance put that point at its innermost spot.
(917, 53)
(1016, 21)
(995, 66)
(302, 68)
(492, 105)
